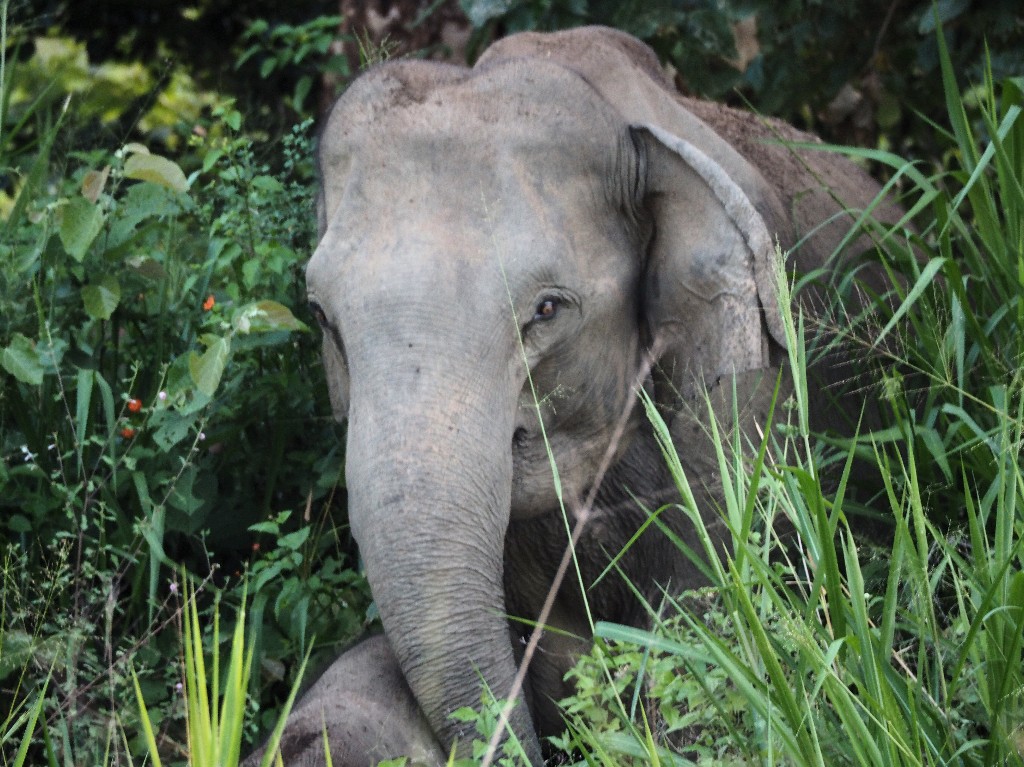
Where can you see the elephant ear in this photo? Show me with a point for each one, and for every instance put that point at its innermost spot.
(709, 290)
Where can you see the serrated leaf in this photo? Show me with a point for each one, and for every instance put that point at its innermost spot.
(80, 222)
(265, 316)
(21, 359)
(94, 182)
(101, 298)
(207, 368)
(157, 170)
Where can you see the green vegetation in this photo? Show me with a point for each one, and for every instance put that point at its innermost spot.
(843, 651)
(162, 403)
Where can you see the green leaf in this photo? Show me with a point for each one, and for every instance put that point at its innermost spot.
(267, 184)
(18, 523)
(295, 540)
(21, 359)
(206, 369)
(157, 170)
(173, 428)
(183, 495)
(265, 316)
(102, 298)
(80, 222)
(927, 275)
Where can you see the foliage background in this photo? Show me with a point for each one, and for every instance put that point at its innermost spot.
(162, 400)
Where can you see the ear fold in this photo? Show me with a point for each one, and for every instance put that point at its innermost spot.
(710, 294)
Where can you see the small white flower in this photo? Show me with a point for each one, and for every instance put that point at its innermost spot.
(162, 396)
(29, 455)
(202, 436)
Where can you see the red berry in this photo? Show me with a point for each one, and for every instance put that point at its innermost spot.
(127, 432)
(134, 406)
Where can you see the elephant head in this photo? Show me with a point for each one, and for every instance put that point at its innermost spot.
(500, 248)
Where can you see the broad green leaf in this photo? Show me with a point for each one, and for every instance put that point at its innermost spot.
(156, 169)
(19, 523)
(207, 368)
(294, 540)
(264, 316)
(183, 495)
(80, 222)
(101, 298)
(173, 429)
(267, 184)
(21, 359)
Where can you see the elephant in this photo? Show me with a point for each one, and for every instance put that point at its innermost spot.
(507, 253)
(367, 710)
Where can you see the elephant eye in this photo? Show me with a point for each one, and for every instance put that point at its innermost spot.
(546, 309)
(318, 314)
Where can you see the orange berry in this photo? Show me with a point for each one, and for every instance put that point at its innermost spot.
(208, 303)
(127, 432)
(134, 406)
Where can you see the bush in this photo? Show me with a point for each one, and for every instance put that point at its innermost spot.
(855, 72)
(162, 402)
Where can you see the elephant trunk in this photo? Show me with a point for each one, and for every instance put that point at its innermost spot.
(429, 472)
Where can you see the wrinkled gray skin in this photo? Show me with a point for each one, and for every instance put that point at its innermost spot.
(368, 711)
(562, 193)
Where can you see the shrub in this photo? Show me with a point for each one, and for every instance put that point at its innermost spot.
(160, 398)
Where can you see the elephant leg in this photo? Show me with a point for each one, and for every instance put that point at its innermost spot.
(369, 713)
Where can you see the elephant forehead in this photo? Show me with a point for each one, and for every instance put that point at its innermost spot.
(528, 110)
(515, 160)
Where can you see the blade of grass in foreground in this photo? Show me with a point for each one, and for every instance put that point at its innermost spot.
(214, 722)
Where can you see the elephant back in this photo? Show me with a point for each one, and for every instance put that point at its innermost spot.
(815, 186)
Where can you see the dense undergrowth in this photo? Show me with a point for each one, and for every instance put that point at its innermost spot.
(847, 651)
(163, 403)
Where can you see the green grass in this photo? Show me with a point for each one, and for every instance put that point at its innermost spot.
(812, 646)
(216, 705)
(819, 646)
